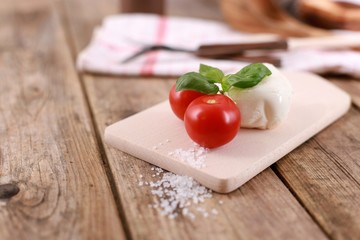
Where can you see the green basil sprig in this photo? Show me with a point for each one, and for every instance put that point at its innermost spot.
(249, 76)
(208, 77)
(214, 75)
(196, 81)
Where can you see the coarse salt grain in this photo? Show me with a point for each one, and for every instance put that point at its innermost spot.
(194, 156)
(214, 211)
(160, 144)
(175, 194)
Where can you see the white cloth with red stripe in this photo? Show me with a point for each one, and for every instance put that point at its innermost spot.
(121, 36)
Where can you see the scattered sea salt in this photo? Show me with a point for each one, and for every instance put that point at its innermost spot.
(214, 211)
(194, 156)
(176, 194)
(161, 144)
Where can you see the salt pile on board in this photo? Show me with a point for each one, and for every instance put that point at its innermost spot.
(176, 194)
(194, 156)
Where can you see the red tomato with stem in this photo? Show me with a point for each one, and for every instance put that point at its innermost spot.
(180, 100)
(212, 120)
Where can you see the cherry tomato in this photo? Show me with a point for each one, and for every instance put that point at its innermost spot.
(180, 100)
(212, 120)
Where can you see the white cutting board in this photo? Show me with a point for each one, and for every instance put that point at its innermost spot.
(151, 134)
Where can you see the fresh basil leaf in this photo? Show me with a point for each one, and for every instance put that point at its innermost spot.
(213, 74)
(249, 76)
(196, 81)
(225, 84)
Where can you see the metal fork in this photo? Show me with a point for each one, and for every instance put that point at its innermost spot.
(225, 51)
(154, 48)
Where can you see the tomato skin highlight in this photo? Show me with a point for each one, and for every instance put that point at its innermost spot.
(180, 100)
(212, 120)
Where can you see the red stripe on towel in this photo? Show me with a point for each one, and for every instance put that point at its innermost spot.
(149, 63)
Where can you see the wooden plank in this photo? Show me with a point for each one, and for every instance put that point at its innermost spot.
(48, 148)
(324, 173)
(262, 208)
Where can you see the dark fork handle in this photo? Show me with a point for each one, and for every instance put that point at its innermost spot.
(214, 50)
(276, 61)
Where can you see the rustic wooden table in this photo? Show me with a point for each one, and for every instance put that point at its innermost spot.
(73, 186)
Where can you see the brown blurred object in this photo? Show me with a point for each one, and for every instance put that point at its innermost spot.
(265, 16)
(329, 14)
(143, 6)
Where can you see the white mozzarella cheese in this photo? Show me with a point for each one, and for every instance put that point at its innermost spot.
(265, 105)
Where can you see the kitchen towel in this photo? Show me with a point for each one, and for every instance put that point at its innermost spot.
(120, 36)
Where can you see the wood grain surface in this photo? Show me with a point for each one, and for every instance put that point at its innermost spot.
(48, 149)
(58, 180)
(262, 207)
(326, 184)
